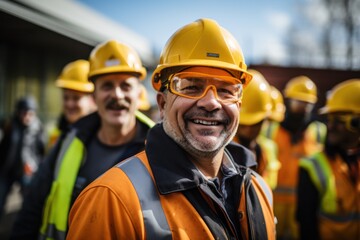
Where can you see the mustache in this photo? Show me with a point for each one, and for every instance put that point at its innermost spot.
(116, 104)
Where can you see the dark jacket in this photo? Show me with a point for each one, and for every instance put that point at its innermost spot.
(19, 145)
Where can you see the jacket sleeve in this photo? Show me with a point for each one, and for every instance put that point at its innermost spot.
(307, 207)
(100, 213)
(29, 218)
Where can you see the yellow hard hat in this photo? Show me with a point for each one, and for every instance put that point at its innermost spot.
(301, 88)
(256, 102)
(144, 103)
(277, 105)
(74, 76)
(115, 57)
(201, 43)
(344, 97)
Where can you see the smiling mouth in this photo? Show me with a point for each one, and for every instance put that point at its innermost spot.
(206, 123)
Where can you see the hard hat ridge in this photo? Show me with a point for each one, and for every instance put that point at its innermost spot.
(201, 43)
(115, 57)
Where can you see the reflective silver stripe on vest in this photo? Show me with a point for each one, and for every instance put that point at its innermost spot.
(320, 173)
(156, 225)
(64, 147)
(53, 232)
(353, 216)
(285, 190)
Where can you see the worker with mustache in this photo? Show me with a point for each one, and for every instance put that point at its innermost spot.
(94, 144)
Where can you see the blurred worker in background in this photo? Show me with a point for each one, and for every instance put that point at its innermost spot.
(277, 114)
(272, 122)
(297, 136)
(329, 182)
(94, 144)
(77, 99)
(22, 148)
(189, 183)
(255, 109)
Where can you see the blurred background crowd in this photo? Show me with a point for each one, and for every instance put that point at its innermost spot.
(42, 41)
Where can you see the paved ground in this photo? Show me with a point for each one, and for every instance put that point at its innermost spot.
(13, 204)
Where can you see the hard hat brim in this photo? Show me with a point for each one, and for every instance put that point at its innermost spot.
(86, 87)
(117, 69)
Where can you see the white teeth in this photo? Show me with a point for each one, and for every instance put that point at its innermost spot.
(205, 122)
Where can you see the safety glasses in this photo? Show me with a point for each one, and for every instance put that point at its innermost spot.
(350, 121)
(195, 85)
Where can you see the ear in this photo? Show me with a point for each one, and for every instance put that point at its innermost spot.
(161, 101)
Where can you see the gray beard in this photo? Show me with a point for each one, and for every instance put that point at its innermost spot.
(204, 152)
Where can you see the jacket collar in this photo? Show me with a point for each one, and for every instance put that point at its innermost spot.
(171, 167)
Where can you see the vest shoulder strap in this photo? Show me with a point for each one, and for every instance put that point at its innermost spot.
(145, 119)
(156, 225)
(265, 187)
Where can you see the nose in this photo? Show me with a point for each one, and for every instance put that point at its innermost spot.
(118, 93)
(209, 101)
(69, 103)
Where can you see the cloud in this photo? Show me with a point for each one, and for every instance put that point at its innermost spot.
(318, 17)
(278, 20)
(275, 50)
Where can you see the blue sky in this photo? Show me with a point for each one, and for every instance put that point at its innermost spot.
(260, 26)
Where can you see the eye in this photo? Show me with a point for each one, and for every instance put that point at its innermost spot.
(106, 86)
(190, 88)
(125, 86)
(229, 91)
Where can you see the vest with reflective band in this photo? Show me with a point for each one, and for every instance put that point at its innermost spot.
(154, 217)
(321, 175)
(269, 148)
(57, 206)
(289, 154)
(339, 215)
(156, 225)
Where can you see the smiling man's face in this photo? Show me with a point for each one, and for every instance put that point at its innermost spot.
(117, 96)
(201, 126)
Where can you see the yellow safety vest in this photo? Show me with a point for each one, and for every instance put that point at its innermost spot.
(273, 165)
(339, 207)
(321, 175)
(57, 206)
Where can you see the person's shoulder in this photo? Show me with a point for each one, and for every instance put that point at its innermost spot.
(241, 155)
(86, 126)
(88, 120)
(113, 181)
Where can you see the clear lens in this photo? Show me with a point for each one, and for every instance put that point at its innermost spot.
(195, 85)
